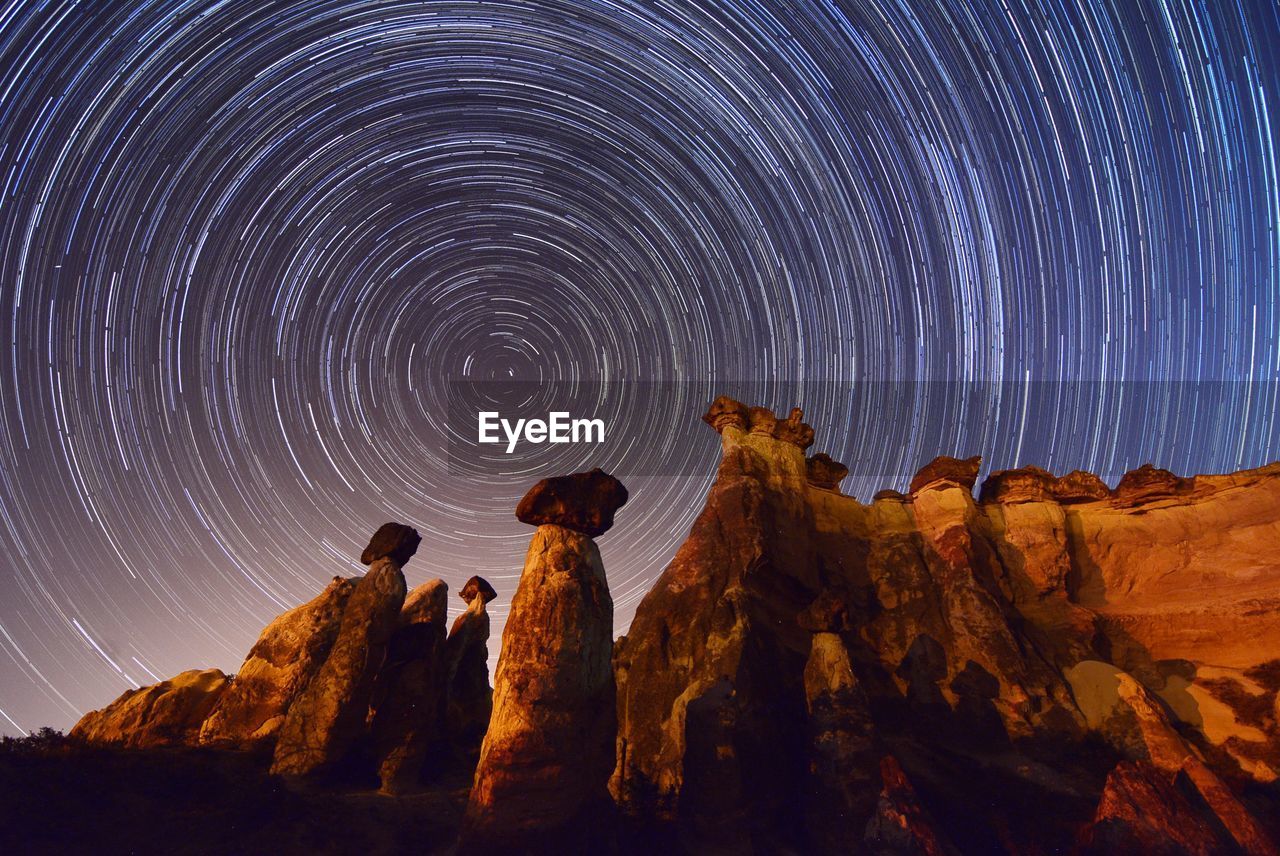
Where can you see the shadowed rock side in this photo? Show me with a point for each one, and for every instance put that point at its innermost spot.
(408, 696)
(545, 761)
(470, 698)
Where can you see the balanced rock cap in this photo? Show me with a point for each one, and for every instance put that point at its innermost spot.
(583, 502)
(477, 586)
(823, 471)
(948, 470)
(393, 541)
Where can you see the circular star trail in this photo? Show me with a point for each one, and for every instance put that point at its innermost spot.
(246, 247)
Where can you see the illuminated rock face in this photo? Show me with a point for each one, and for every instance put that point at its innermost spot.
(327, 718)
(165, 714)
(546, 757)
(1007, 629)
(285, 658)
(1055, 666)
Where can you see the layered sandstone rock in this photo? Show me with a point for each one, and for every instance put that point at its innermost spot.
(545, 761)
(165, 714)
(328, 717)
(285, 658)
(409, 695)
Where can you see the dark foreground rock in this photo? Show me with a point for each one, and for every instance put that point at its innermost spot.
(583, 502)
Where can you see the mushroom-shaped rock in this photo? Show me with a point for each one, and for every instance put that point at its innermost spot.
(1025, 484)
(469, 697)
(540, 785)
(793, 430)
(725, 412)
(945, 470)
(1079, 486)
(394, 541)
(583, 502)
(281, 663)
(477, 586)
(1149, 482)
(165, 714)
(327, 718)
(890, 495)
(822, 471)
(410, 688)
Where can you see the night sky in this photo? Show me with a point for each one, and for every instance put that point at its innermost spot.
(246, 246)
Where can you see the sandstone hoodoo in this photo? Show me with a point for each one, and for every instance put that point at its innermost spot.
(1053, 666)
(470, 698)
(408, 698)
(546, 758)
(583, 502)
(992, 647)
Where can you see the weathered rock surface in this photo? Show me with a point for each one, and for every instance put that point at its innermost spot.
(900, 824)
(843, 753)
(285, 658)
(165, 714)
(1142, 812)
(470, 698)
(328, 717)
(825, 473)
(583, 502)
(394, 541)
(947, 471)
(984, 636)
(545, 761)
(409, 694)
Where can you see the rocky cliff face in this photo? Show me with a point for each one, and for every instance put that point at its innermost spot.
(1005, 652)
(1052, 666)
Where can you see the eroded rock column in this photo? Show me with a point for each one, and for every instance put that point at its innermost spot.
(545, 761)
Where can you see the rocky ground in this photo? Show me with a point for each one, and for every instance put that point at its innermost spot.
(1050, 666)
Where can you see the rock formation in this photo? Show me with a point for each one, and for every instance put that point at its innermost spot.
(470, 698)
(327, 718)
(583, 502)
(985, 642)
(409, 695)
(285, 658)
(164, 714)
(1053, 666)
(541, 780)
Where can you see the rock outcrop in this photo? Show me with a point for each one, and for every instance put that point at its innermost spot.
(329, 716)
(541, 780)
(165, 714)
(985, 641)
(1054, 666)
(409, 695)
(583, 502)
(470, 698)
(285, 658)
